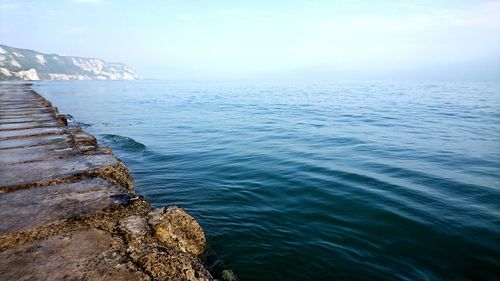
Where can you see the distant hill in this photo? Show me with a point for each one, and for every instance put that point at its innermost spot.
(23, 64)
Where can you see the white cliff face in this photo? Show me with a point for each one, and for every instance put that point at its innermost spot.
(61, 76)
(28, 74)
(91, 65)
(5, 72)
(21, 64)
(104, 71)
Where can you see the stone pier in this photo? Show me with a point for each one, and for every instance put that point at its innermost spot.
(68, 209)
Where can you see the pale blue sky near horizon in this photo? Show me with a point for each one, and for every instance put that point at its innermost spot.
(295, 39)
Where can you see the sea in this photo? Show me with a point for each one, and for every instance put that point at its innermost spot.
(371, 180)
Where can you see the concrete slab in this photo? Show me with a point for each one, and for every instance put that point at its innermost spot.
(30, 116)
(26, 119)
(14, 107)
(36, 153)
(21, 108)
(21, 104)
(84, 139)
(31, 132)
(18, 97)
(32, 208)
(62, 141)
(23, 101)
(51, 172)
(80, 255)
(28, 125)
(21, 112)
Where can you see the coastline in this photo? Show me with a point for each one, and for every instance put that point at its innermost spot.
(70, 210)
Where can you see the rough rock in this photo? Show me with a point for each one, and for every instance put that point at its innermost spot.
(228, 275)
(159, 262)
(178, 230)
(135, 226)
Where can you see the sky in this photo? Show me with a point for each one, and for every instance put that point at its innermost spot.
(262, 39)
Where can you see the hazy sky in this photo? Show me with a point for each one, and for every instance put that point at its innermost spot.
(256, 39)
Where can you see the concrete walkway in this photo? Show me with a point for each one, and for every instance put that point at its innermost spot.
(68, 210)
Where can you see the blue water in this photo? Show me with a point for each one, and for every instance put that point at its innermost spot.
(341, 181)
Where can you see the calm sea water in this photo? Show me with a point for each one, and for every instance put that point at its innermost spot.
(345, 181)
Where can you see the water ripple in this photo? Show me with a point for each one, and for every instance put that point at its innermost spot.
(349, 181)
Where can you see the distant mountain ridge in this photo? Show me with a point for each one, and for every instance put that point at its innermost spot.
(24, 64)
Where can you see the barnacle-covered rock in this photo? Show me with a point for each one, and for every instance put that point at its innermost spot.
(178, 230)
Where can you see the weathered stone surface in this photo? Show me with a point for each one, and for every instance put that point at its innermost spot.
(27, 209)
(50, 172)
(28, 125)
(135, 226)
(29, 154)
(26, 118)
(19, 112)
(80, 255)
(82, 138)
(62, 118)
(7, 98)
(22, 106)
(105, 219)
(62, 141)
(31, 132)
(178, 230)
